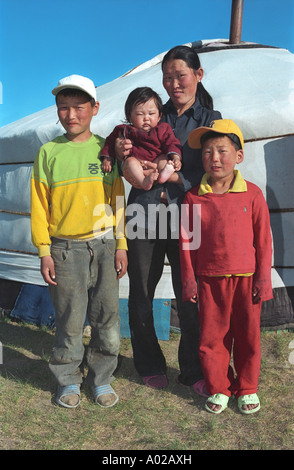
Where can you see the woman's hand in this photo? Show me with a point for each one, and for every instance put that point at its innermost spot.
(123, 148)
(121, 263)
(176, 161)
(146, 165)
(148, 168)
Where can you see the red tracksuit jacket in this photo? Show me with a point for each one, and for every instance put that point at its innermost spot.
(235, 239)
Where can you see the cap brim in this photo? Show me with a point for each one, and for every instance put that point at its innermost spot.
(59, 88)
(194, 139)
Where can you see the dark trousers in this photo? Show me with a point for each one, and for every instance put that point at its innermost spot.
(145, 267)
(86, 284)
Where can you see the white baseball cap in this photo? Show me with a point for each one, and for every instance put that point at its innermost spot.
(78, 82)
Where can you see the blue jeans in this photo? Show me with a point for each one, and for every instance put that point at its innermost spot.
(87, 284)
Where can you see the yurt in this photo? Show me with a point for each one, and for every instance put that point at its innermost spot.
(244, 88)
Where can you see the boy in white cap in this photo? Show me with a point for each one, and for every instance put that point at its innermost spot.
(232, 265)
(79, 232)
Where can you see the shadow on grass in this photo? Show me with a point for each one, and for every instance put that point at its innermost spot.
(25, 353)
(27, 349)
(126, 370)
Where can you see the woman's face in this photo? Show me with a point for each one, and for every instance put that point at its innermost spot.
(180, 82)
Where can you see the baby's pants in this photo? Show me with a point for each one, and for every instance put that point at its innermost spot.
(228, 318)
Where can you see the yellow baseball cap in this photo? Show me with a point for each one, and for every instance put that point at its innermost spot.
(222, 126)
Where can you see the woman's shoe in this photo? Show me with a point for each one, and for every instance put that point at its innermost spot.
(156, 381)
(200, 388)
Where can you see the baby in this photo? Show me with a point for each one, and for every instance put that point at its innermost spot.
(154, 145)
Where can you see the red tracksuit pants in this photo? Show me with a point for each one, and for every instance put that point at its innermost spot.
(229, 319)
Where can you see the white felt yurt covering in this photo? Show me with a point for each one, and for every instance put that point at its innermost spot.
(249, 83)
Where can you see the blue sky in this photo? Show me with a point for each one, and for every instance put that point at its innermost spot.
(44, 40)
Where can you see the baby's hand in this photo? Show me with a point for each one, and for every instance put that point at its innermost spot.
(176, 162)
(107, 165)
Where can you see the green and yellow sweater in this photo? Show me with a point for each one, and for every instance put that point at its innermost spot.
(71, 197)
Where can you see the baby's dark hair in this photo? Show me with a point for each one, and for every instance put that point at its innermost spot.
(213, 135)
(191, 58)
(141, 95)
(75, 92)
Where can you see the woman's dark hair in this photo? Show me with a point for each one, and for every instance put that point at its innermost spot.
(141, 95)
(188, 55)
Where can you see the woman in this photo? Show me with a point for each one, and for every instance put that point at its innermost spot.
(189, 107)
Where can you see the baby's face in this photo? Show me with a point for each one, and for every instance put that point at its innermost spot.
(145, 116)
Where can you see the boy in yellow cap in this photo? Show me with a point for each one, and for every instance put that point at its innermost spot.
(232, 265)
(79, 232)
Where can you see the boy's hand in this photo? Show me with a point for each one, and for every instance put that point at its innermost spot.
(255, 295)
(121, 263)
(48, 270)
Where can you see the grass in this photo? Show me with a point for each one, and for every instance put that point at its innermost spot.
(144, 419)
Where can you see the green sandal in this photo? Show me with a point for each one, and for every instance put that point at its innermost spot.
(217, 399)
(249, 400)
